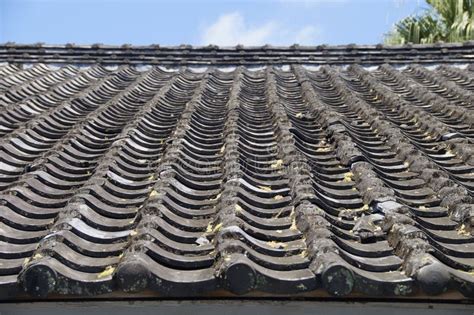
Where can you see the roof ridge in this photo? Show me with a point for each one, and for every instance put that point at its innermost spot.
(378, 46)
(238, 55)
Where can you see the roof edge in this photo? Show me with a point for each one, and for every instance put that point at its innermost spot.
(238, 55)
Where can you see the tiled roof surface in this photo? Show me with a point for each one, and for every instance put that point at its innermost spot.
(285, 180)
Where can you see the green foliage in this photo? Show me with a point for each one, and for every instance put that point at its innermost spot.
(444, 20)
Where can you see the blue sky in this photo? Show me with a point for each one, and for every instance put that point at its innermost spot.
(221, 22)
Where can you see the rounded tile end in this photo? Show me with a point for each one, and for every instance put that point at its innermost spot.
(132, 277)
(239, 278)
(338, 280)
(39, 280)
(433, 279)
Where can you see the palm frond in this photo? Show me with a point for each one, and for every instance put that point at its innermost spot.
(447, 20)
(416, 29)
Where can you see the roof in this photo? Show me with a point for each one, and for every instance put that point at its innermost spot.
(282, 180)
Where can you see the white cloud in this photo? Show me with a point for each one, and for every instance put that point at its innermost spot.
(307, 35)
(231, 29)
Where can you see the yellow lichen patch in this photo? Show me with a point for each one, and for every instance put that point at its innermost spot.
(26, 261)
(277, 164)
(209, 228)
(37, 256)
(274, 244)
(301, 287)
(238, 208)
(278, 197)
(449, 153)
(463, 230)
(323, 149)
(133, 233)
(222, 149)
(304, 254)
(293, 226)
(107, 272)
(365, 207)
(348, 177)
(299, 115)
(265, 188)
(217, 228)
(422, 208)
(406, 164)
(152, 177)
(153, 193)
(216, 198)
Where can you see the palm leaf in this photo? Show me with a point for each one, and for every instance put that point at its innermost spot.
(416, 29)
(447, 20)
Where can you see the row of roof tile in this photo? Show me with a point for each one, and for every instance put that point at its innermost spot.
(238, 55)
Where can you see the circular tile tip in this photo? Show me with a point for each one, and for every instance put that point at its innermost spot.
(39, 280)
(132, 277)
(433, 279)
(239, 278)
(338, 280)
